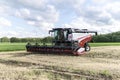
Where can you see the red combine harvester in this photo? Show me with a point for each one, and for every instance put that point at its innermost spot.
(65, 40)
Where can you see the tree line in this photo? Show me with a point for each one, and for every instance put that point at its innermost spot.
(24, 40)
(111, 37)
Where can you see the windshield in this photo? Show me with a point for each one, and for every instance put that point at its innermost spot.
(61, 35)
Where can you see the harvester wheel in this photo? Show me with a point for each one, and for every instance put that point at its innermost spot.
(87, 47)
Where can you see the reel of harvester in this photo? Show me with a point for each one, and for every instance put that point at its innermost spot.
(65, 40)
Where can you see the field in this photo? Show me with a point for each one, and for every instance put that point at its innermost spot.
(21, 46)
(101, 63)
(104, 44)
(12, 46)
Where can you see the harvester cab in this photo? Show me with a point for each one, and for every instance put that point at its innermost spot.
(66, 40)
(60, 37)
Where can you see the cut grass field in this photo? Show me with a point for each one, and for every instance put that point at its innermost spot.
(101, 63)
(21, 46)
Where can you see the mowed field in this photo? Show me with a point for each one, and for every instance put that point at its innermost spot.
(101, 63)
(12, 46)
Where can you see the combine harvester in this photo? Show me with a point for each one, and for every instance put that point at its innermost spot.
(65, 40)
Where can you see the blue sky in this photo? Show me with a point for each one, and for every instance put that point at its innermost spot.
(33, 18)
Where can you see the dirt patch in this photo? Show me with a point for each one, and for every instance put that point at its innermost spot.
(101, 63)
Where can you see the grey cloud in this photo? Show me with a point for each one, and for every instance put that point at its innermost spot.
(116, 15)
(38, 11)
(96, 15)
(90, 12)
(48, 10)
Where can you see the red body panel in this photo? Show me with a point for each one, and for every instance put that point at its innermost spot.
(84, 40)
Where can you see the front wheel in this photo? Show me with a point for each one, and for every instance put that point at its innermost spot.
(87, 47)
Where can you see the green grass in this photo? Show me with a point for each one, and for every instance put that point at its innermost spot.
(12, 46)
(21, 46)
(105, 44)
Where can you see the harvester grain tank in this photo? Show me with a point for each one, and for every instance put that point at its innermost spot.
(65, 40)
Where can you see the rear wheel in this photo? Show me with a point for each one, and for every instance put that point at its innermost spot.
(87, 47)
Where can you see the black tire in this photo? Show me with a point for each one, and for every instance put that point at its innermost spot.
(87, 47)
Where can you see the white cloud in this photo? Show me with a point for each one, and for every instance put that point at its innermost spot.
(81, 24)
(77, 3)
(45, 14)
(39, 17)
(102, 16)
(1, 9)
(37, 4)
(64, 3)
(45, 26)
(4, 10)
(101, 1)
(5, 22)
(23, 13)
(37, 11)
(114, 9)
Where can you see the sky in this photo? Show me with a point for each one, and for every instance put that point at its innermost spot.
(33, 18)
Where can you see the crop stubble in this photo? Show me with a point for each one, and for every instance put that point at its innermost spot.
(101, 63)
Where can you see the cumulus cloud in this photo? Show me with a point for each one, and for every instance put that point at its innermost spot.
(102, 16)
(43, 17)
(23, 13)
(35, 4)
(4, 10)
(99, 18)
(81, 24)
(4, 22)
(36, 11)
(92, 12)
(113, 9)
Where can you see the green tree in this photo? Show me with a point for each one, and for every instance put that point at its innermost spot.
(5, 39)
(14, 39)
(111, 37)
(47, 39)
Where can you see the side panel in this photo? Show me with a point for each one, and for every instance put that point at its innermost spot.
(84, 40)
